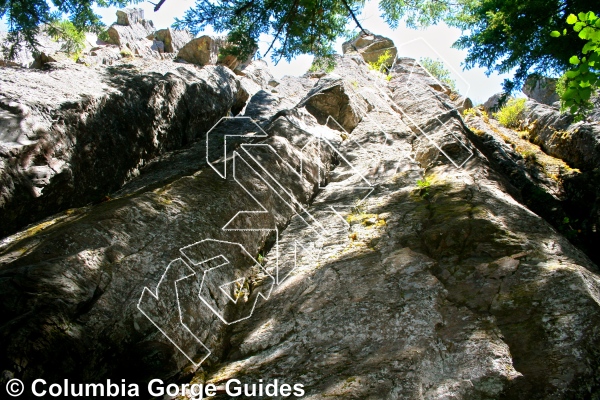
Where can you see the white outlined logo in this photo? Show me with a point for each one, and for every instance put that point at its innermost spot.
(213, 274)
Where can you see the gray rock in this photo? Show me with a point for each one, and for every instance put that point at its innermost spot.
(173, 39)
(201, 51)
(135, 38)
(491, 105)
(576, 143)
(101, 55)
(130, 16)
(370, 47)
(541, 89)
(25, 56)
(438, 284)
(94, 128)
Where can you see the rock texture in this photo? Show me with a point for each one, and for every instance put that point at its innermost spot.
(201, 51)
(541, 89)
(73, 135)
(370, 47)
(405, 267)
(173, 39)
(135, 33)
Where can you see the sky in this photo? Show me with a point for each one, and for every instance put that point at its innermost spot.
(434, 42)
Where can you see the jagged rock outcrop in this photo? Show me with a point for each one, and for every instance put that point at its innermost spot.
(73, 135)
(541, 89)
(576, 143)
(173, 39)
(205, 50)
(132, 31)
(201, 51)
(404, 265)
(491, 105)
(370, 47)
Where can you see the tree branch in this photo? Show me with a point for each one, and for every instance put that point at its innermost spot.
(354, 17)
(283, 22)
(158, 5)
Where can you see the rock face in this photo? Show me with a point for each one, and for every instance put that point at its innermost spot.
(72, 136)
(130, 16)
(205, 50)
(491, 105)
(388, 259)
(370, 47)
(132, 31)
(541, 89)
(201, 51)
(173, 39)
(576, 143)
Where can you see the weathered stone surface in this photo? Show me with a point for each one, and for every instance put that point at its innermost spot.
(25, 57)
(101, 55)
(130, 16)
(439, 284)
(135, 38)
(444, 296)
(491, 105)
(576, 143)
(201, 51)
(370, 47)
(73, 135)
(541, 89)
(173, 39)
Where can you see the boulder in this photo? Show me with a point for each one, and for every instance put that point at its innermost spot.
(370, 47)
(491, 105)
(173, 39)
(101, 55)
(541, 89)
(135, 38)
(576, 143)
(130, 16)
(25, 56)
(201, 51)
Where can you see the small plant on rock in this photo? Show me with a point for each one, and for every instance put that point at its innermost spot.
(326, 64)
(439, 71)
(384, 59)
(72, 38)
(512, 114)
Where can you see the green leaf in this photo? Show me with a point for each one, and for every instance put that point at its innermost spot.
(574, 60)
(565, 32)
(578, 26)
(555, 34)
(572, 74)
(571, 19)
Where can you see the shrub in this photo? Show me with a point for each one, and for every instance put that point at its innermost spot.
(439, 71)
(125, 52)
(512, 114)
(104, 36)
(326, 64)
(384, 59)
(65, 31)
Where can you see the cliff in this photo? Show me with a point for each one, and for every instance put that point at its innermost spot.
(348, 232)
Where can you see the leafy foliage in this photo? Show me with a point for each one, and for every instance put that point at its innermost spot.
(417, 13)
(24, 18)
(382, 60)
(72, 38)
(512, 114)
(577, 86)
(297, 26)
(439, 71)
(509, 35)
(326, 64)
